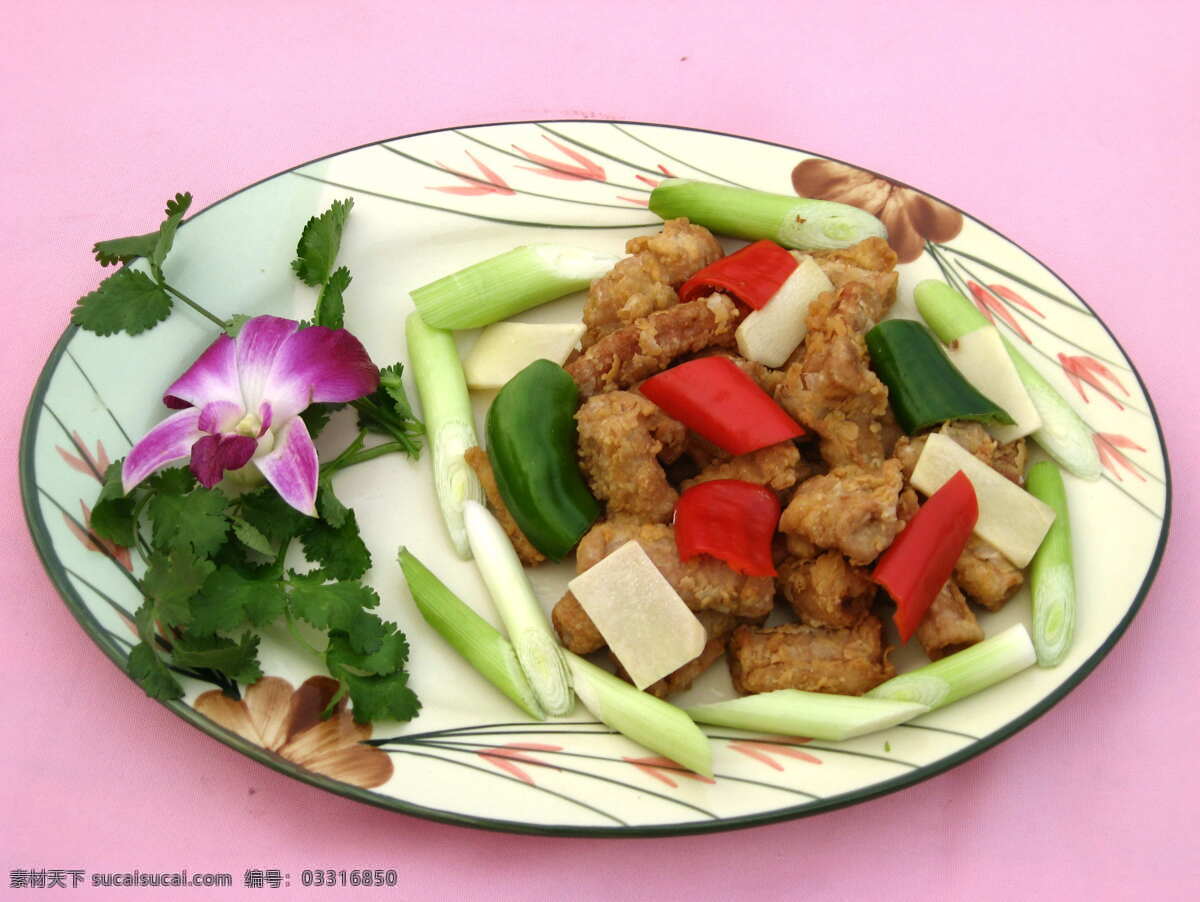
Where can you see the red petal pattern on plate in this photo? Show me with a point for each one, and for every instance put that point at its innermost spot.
(502, 756)
(1107, 444)
(1082, 369)
(655, 767)
(582, 170)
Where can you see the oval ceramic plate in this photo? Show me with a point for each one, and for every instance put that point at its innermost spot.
(426, 205)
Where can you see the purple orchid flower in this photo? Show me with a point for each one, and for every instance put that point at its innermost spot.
(240, 402)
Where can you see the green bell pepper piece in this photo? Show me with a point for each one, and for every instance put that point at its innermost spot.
(532, 444)
(924, 387)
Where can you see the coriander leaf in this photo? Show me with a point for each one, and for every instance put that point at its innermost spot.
(124, 250)
(330, 507)
(339, 552)
(250, 537)
(331, 308)
(127, 301)
(170, 582)
(228, 599)
(319, 243)
(391, 382)
(197, 520)
(172, 481)
(149, 672)
(381, 697)
(389, 654)
(176, 208)
(237, 660)
(329, 605)
(267, 512)
(112, 516)
(387, 410)
(316, 416)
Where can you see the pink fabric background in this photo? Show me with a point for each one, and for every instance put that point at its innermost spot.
(1069, 126)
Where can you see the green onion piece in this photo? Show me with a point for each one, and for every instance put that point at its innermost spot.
(528, 629)
(1063, 435)
(449, 422)
(964, 672)
(649, 721)
(1051, 572)
(797, 222)
(469, 634)
(496, 288)
(817, 715)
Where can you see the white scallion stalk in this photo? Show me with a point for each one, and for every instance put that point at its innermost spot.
(449, 423)
(529, 631)
(817, 715)
(1062, 435)
(504, 285)
(964, 672)
(649, 721)
(796, 222)
(469, 634)
(1052, 573)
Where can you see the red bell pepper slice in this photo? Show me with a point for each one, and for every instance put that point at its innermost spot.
(713, 397)
(752, 275)
(731, 520)
(921, 558)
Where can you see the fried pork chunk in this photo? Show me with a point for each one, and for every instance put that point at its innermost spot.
(645, 281)
(986, 575)
(832, 389)
(851, 509)
(622, 437)
(717, 627)
(477, 459)
(778, 467)
(644, 347)
(871, 262)
(796, 656)
(949, 625)
(1008, 460)
(704, 583)
(826, 591)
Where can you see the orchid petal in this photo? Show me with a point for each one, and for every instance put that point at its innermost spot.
(258, 345)
(319, 364)
(291, 466)
(168, 442)
(212, 455)
(213, 377)
(220, 416)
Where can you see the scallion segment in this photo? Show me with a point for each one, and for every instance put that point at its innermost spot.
(1051, 572)
(504, 285)
(649, 721)
(962, 673)
(528, 629)
(1062, 435)
(797, 222)
(469, 634)
(816, 715)
(449, 422)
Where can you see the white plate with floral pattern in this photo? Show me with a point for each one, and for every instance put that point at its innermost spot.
(426, 205)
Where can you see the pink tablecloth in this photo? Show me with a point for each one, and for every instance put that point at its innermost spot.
(1069, 126)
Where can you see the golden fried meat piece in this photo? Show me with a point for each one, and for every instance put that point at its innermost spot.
(871, 262)
(779, 467)
(622, 437)
(949, 625)
(987, 577)
(851, 509)
(574, 627)
(796, 656)
(826, 591)
(645, 282)
(478, 460)
(833, 390)
(634, 352)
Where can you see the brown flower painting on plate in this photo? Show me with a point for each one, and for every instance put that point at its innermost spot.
(912, 218)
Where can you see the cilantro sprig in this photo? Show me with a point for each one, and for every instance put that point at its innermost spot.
(217, 564)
